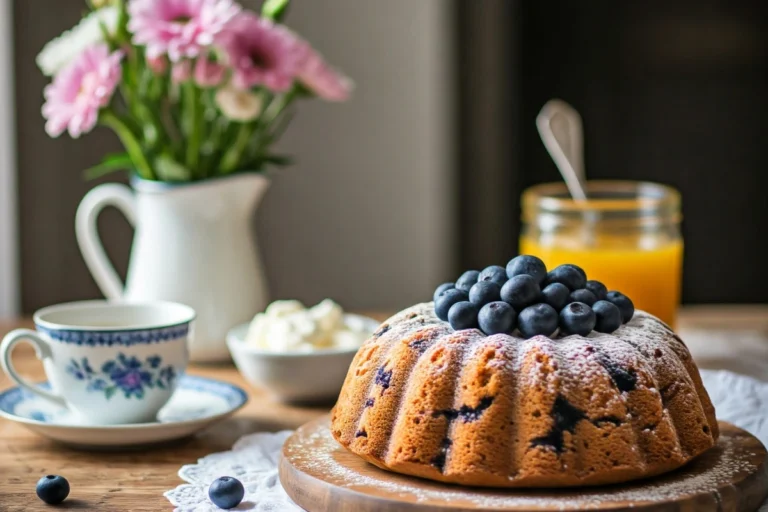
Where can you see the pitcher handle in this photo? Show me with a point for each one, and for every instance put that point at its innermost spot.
(110, 194)
(43, 352)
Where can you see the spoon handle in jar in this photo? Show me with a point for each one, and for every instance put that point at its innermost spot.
(566, 146)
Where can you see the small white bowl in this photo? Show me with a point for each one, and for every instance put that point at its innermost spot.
(293, 377)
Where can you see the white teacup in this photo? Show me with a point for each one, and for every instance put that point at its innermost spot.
(109, 363)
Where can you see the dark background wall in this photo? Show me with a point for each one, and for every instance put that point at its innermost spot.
(673, 92)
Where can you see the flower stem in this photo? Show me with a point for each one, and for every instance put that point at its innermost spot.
(194, 125)
(132, 146)
(278, 106)
(231, 158)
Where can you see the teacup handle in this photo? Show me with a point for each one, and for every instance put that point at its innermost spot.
(110, 194)
(42, 350)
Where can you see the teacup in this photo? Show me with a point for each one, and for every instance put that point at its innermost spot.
(108, 363)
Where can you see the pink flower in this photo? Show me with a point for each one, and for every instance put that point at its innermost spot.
(158, 65)
(73, 99)
(178, 28)
(262, 53)
(181, 71)
(321, 79)
(208, 73)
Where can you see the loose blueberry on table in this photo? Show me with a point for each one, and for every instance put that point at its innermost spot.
(226, 492)
(524, 298)
(52, 489)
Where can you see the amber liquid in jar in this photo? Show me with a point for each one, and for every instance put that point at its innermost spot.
(627, 235)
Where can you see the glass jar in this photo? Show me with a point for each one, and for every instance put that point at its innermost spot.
(626, 235)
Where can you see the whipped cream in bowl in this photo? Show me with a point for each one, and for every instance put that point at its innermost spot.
(287, 326)
(298, 354)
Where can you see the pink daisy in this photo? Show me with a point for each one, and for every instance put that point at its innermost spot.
(261, 53)
(158, 65)
(181, 71)
(80, 90)
(178, 28)
(208, 73)
(320, 78)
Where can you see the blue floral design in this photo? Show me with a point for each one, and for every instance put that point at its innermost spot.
(81, 370)
(39, 416)
(127, 374)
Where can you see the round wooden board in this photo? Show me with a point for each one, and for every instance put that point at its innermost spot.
(320, 475)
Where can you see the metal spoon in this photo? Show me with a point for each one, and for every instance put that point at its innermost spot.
(560, 128)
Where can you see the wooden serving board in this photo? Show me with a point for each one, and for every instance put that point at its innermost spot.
(320, 475)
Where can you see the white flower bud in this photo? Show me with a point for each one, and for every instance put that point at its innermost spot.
(237, 104)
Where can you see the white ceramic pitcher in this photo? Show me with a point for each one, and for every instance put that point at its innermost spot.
(194, 244)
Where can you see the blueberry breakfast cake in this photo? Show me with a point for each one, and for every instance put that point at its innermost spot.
(519, 377)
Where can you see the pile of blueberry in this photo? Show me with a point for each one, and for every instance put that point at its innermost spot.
(524, 296)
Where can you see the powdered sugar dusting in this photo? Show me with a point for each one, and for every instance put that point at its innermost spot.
(641, 335)
(316, 453)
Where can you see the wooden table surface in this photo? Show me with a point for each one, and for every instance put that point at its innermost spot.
(136, 480)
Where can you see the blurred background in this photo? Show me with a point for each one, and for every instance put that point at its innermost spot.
(420, 174)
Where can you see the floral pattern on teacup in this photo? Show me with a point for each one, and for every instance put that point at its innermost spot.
(127, 374)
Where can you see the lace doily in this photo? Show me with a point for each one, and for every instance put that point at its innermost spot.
(253, 459)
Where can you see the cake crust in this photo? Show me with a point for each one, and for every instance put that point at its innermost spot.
(501, 411)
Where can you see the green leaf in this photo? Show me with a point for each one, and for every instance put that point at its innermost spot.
(302, 91)
(274, 9)
(110, 391)
(111, 163)
(234, 155)
(168, 169)
(278, 160)
(131, 143)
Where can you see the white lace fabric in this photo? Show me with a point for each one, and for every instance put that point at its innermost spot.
(253, 459)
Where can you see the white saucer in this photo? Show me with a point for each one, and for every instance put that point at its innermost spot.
(197, 403)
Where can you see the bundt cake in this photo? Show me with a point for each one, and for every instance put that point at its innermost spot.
(460, 406)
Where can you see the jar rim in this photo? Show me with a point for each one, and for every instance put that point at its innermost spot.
(617, 196)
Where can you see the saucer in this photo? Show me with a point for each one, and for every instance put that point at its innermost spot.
(197, 403)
